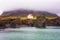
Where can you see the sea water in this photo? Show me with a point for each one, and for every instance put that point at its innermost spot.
(30, 34)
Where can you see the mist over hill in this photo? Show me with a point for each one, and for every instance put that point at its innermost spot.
(26, 12)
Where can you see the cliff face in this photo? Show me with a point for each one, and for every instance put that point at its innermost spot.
(26, 12)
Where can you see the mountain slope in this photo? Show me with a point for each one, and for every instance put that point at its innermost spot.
(26, 12)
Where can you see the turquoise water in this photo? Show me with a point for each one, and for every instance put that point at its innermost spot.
(31, 34)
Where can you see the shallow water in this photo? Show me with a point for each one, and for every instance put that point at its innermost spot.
(30, 34)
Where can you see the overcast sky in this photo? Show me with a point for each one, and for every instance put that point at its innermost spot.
(44, 5)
